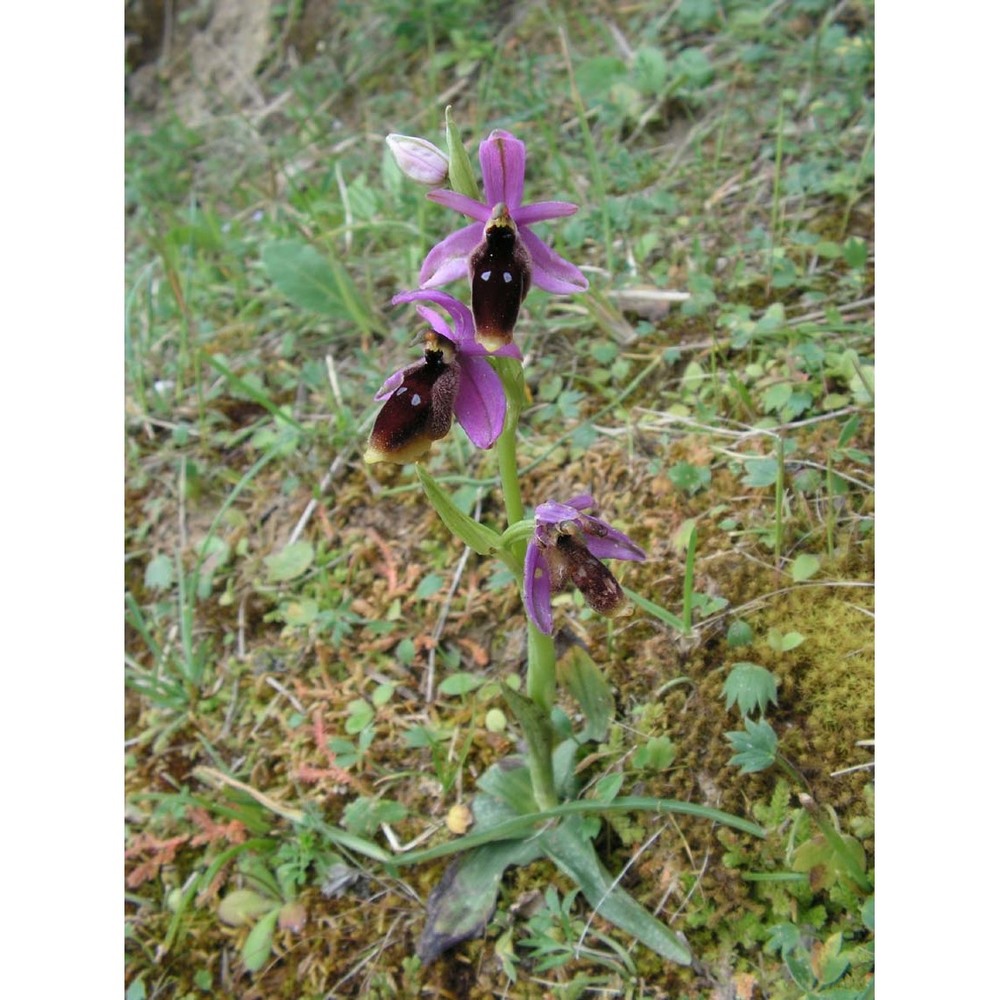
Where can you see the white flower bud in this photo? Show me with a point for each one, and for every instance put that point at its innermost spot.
(419, 159)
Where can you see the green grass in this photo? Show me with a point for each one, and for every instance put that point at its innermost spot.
(285, 602)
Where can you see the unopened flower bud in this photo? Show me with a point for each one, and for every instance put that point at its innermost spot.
(419, 159)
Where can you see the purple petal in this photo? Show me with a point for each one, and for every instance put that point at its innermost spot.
(480, 405)
(550, 271)
(437, 323)
(539, 211)
(449, 260)
(582, 501)
(464, 331)
(614, 545)
(552, 512)
(461, 203)
(537, 589)
(502, 158)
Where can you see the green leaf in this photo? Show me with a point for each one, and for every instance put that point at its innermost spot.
(460, 173)
(656, 754)
(756, 746)
(868, 913)
(364, 815)
(460, 684)
(159, 573)
(761, 472)
(477, 536)
(776, 396)
(463, 901)
(805, 566)
(827, 960)
(588, 685)
(783, 937)
(539, 735)
(429, 586)
(751, 687)
(359, 714)
(305, 276)
(739, 634)
(292, 561)
(693, 67)
(300, 613)
(506, 793)
(606, 789)
(855, 252)
(649, 69)
(257, 947)
(520, 531)
(495, 721)
(655, 610)
(688, 477)
(243, 906)
(784, 643)
(136, 990)
(574, 855)
(848, 431)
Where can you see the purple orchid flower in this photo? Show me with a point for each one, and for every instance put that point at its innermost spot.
(566, 550)
(453, 379)
(502, 159)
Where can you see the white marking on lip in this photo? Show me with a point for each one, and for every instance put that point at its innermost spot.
(508, 277)
(416, 399)
(486, 275)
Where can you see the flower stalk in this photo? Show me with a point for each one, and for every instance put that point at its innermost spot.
(541, 679)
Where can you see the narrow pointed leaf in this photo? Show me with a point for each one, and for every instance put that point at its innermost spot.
(575, 856)
(525, 825)
(477, 536)
(459, 165)
(667, 617)
(591, 690)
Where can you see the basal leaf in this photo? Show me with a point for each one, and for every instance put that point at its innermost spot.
(463, 901)
(574, 855)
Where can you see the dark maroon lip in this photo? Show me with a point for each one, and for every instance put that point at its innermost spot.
(500, 269)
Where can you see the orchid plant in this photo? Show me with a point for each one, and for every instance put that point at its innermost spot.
(472, 371)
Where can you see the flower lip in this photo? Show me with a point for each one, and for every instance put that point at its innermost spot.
(418, 405)
(500, 274)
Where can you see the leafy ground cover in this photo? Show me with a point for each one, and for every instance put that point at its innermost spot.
(288, 608)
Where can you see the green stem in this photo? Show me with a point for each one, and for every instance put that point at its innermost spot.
(541, 681)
